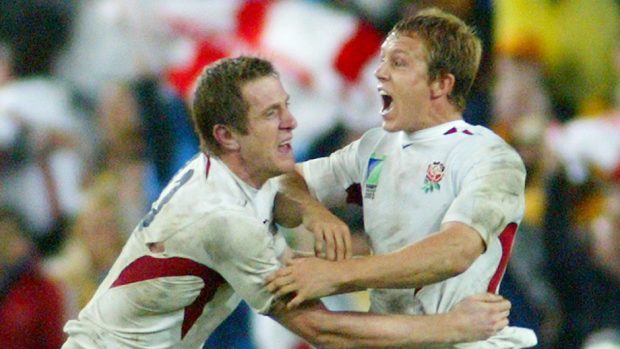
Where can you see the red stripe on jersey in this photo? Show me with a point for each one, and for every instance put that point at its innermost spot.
(251, 21)
(506, 238)
(450, 131)
(357, 51)
(354, 194)
(208, 166)
(148, 268)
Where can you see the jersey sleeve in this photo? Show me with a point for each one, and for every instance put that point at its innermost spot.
(244, 252)
(328, 178)
(491, 194)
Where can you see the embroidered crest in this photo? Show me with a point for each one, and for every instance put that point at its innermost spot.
(434, 175)
(375, 165)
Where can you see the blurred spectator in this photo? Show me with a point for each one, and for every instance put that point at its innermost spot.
(588, 147)
(570, 266)
(122, 151)
(549, 68)
(535, 303)
(551, 45)
(136, 121)
(41, 127)
(31, 306)
(94, 241)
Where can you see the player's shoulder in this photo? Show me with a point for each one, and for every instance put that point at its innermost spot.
(485, 140)
(202, 187)
(486, 145)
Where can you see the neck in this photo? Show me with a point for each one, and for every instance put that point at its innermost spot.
(442, 112)
(239, 167)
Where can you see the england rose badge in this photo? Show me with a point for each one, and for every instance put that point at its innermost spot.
(434, 175)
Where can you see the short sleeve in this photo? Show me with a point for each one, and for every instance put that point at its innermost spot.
(244, 252)
(328, 178)
(491, 194)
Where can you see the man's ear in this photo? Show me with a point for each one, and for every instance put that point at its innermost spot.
(225, 137)
(443, 85)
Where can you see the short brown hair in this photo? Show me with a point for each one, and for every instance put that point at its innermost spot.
(452, 48)
(218, 98)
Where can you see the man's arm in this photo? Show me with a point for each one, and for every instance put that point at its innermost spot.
(491, 196)
(475, 318)
(295, 206)
(442, 255)
(243, 252)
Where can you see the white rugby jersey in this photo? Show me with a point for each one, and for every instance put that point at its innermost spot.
(220, 243)
(412, 183)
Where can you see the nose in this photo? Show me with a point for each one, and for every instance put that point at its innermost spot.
(288, 121)
(380, 73)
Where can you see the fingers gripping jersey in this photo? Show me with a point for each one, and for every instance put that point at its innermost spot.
(218, 245)
(412, 183)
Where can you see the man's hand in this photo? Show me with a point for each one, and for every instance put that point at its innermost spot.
(480, 316)
(307, 278)
(332, 238)
(295, 206)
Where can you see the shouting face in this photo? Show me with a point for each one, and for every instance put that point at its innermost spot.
(404, 84)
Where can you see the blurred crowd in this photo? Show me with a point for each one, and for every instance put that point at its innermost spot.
(94, 121)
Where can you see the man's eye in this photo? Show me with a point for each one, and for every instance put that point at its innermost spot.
(272, 113)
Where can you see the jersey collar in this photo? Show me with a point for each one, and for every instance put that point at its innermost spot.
(433, 132)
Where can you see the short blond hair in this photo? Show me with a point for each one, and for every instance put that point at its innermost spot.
(452, 47)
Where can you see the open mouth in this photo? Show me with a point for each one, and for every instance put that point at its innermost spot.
(387, 103)
(285, 147)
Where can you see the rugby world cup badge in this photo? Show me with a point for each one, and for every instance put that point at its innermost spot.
(434, 175)
(375, 166)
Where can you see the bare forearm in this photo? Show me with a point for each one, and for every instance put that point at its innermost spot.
(327, 329)
(292, 200)
(294, 206)
(431, 260)
(355, 330)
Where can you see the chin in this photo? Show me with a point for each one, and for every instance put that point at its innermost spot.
(286, 165)
(390, 127)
